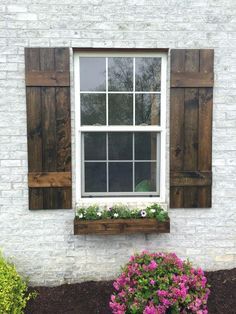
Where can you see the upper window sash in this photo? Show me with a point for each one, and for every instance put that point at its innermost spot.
(106, 92)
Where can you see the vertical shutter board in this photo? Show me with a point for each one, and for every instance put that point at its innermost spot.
(32, 59)
(47, 59)
(176, 197)
(63, 149)
(197, 124)
(205, 128)
(191, 127)
(63, 129)
(177, 60)
(207, 60)
(49, 142)
(191, 142)
(49, 129)
(192, 61)
(34, 128)
(35, 198)
(55, 122)
(62, 60)
(204, 197)
(177, 142)
(177, 128)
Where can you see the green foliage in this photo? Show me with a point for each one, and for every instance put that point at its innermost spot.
(94, 212)
(13, 289)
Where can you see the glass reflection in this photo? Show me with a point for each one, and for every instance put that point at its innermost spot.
(145, 146)
(120, 108)
(147, 74)
(120, 177)
(145, 176)
(94, 146)
(120, 74)
(95, 177)
(93, 109)
(120, 146)
(147, 109)
(92, 74)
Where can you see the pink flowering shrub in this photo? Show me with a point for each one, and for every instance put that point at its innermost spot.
(159, 283)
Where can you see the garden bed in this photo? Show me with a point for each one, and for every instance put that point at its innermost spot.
(93, 297)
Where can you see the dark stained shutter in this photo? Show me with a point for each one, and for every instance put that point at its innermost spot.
(191, 103)
(48, 127)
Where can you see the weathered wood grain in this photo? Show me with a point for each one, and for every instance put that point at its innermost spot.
(191, 79)
(191, 105)
(120, 226)
(48, 78)
(190, 178)
(49, 131)
(49, 179)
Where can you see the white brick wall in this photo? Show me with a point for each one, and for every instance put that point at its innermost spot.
(42, 243)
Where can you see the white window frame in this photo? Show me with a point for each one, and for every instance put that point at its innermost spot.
(152, 128)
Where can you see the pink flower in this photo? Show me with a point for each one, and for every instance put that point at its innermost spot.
(150, 310)
(152, 265)
(152, 282)
(162, 293)
(200, 272)
(161, 309)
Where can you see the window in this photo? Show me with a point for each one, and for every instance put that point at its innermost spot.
(120, 124)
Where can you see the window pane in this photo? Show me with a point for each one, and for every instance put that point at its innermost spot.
(120, 146)
(120, 74)
(147, 109)
(147, 74)
(93, 109)
(145, 146)
(145, 176)
(94, 146)
(120, 177)
(92, 74)
(95, 177)
(120, 109)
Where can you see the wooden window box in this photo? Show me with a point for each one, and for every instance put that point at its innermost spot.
(120, 226)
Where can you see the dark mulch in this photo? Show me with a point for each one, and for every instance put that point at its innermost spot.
(93, 297)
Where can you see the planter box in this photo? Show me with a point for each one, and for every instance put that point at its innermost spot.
(120, 226)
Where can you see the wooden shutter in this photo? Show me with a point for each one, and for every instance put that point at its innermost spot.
(48, 127)
(191, 103)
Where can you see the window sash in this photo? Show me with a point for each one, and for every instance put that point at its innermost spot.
(120, 128)
(133, 161)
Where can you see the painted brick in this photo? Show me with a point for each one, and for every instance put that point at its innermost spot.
(42, 243)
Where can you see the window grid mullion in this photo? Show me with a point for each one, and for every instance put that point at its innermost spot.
(134, 91)
(107, 165)
(120, 160)
(133, 148)
(107, 116)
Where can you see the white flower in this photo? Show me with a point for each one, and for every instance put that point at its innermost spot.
(99, 214)
(116, 215)
(81, 216)
(153, 210)
(143, 213)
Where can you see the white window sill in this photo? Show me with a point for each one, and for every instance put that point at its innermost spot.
(130, 201)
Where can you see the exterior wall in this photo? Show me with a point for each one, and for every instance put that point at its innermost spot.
(42, 243)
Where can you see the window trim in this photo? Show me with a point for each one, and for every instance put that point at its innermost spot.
(159, 129)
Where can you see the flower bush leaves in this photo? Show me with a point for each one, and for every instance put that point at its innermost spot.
(159, 283)
(120, 211)
(14, 293)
